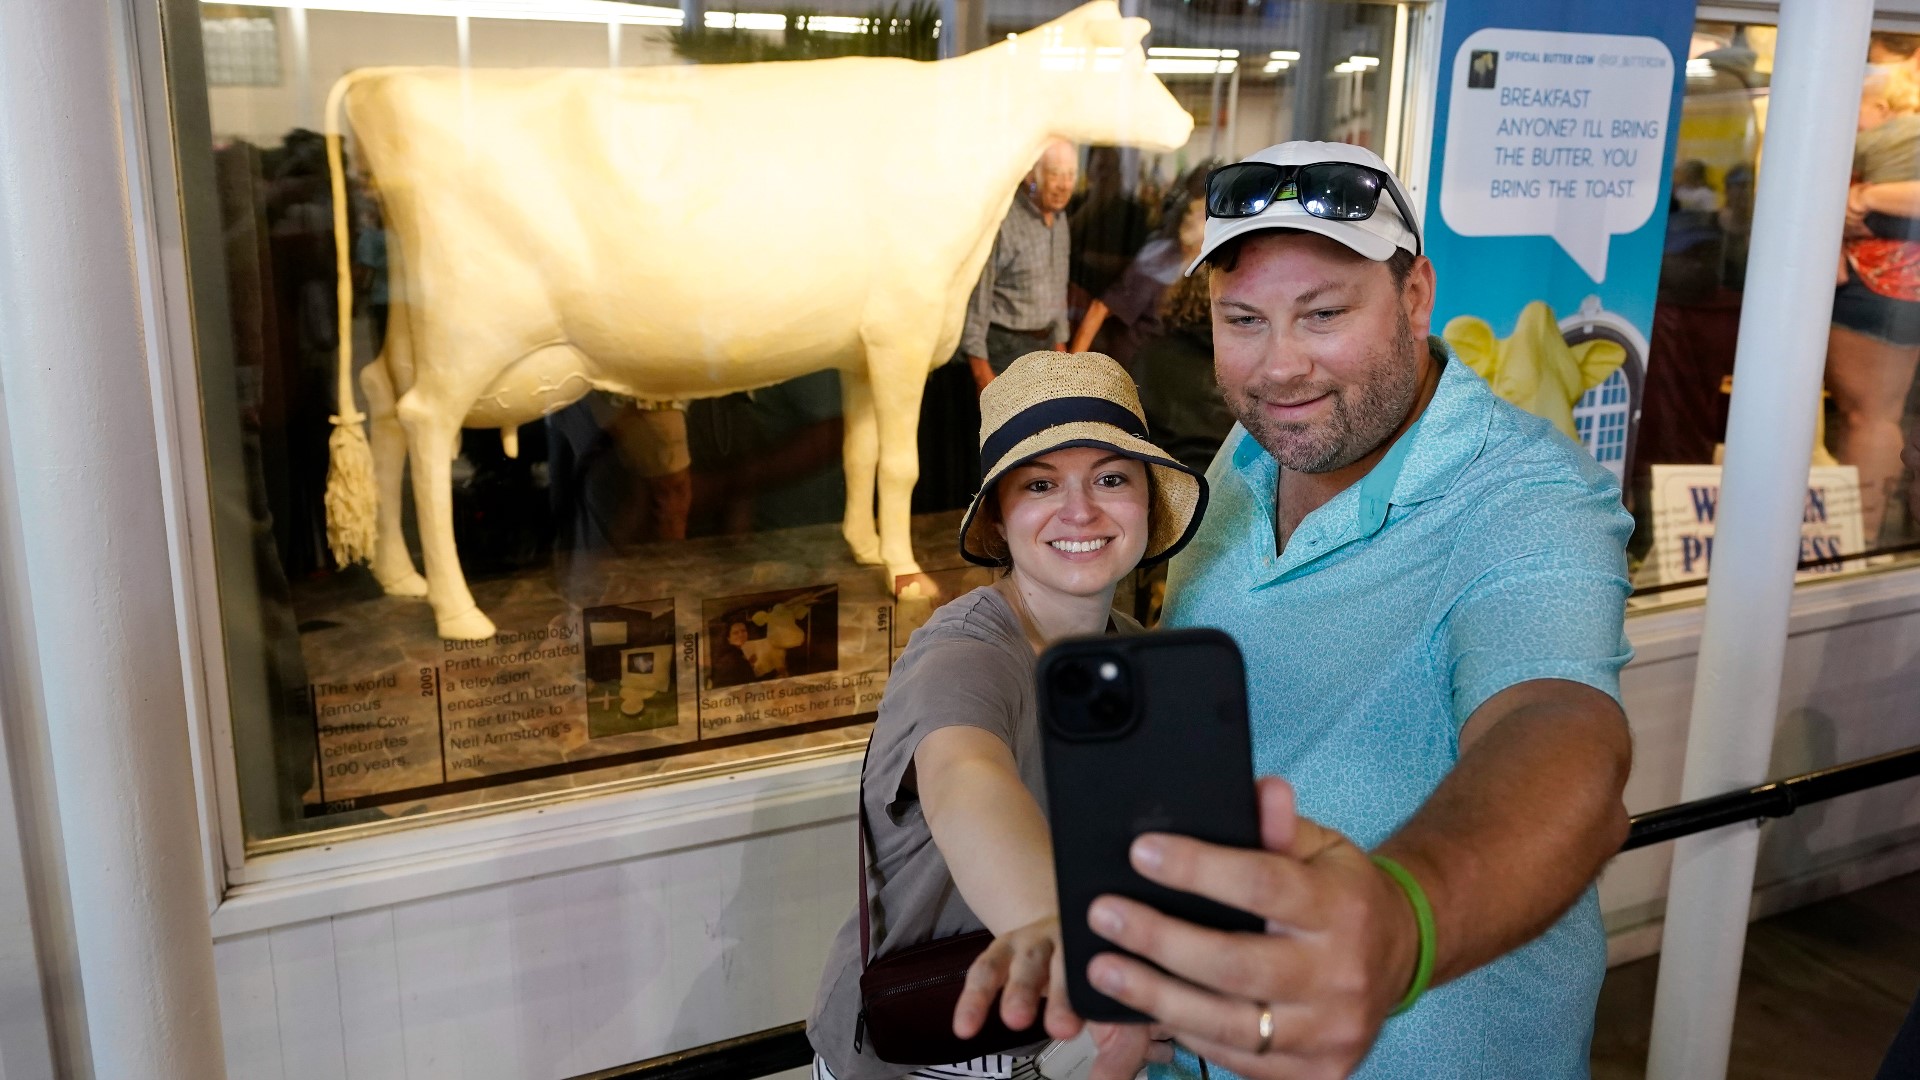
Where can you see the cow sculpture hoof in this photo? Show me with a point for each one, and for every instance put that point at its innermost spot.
(897, 573)
(469, 626)
(409, 584)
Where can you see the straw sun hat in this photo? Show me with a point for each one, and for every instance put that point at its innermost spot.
(1047, 401)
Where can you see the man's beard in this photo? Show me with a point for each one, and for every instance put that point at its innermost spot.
(1361, 418)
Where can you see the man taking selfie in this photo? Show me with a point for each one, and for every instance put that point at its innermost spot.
(1428, 586)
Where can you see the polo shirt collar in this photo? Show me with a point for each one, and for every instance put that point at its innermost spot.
(1423, 463)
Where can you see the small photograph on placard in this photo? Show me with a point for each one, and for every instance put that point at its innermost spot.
(771, 635)
(1483, 71)
(918, 596)
(630, 668)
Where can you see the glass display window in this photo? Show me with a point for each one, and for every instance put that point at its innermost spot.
(1861, 509)
(590, 398)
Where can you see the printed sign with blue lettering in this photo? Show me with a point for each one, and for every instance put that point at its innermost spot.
(1686, 506)
(1553, 137)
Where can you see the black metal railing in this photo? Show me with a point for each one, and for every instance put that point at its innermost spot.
(747, 1057)
(1771, 800)
(763, 1053)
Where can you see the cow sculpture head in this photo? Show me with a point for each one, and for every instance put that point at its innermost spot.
(1097, 86)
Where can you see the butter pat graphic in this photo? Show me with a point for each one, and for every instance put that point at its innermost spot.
(1534, 367)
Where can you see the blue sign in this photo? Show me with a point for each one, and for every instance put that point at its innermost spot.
(1554, 135)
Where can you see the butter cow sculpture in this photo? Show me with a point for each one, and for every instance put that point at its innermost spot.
(672, 233)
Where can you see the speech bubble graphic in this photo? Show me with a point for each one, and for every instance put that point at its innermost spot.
(1555, 134)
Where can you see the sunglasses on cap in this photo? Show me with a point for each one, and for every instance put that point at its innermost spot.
(1329, 190)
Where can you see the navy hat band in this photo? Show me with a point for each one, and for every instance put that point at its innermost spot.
(1053, 413)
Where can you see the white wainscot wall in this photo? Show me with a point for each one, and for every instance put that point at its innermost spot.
(551, 976)
(1850, 689)
(585, 948)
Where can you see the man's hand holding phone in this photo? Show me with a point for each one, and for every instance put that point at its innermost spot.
(1339, 952)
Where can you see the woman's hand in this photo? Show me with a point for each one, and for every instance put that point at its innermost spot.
(1025, 967)
(1857, 210)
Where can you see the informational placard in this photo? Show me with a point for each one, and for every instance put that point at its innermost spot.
(1686, 504)
(1553, 143)
(635, 660)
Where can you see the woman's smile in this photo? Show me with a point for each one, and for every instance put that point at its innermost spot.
(1087, 546)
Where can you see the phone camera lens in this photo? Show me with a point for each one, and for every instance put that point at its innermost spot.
(1072, 680)
(1109, 709)
(1092, 694)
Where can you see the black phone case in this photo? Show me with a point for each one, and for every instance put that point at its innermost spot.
(1185, 766)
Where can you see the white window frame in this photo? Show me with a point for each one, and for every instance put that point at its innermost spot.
(358, 869)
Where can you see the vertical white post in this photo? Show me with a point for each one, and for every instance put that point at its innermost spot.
(1130, 155)
(82, 434)
(1282, 105)
(1213, 113)
(1232, 137)
(1391, 144)
(1777, 370)
(301, 50)
(613, 44)
(950, 27)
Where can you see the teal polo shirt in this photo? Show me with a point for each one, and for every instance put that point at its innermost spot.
(1485, 549)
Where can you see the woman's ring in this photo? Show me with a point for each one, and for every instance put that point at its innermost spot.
(1266, 1030)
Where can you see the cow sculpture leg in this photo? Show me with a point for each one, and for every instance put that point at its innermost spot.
(392, 564)
(860, 457)
(432, 423)
(897, 374)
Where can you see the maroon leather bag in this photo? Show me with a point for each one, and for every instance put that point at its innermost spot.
(907, 996)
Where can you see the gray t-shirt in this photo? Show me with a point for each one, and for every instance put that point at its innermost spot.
(970, 666)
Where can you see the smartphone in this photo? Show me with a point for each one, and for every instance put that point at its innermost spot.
(1141, 733)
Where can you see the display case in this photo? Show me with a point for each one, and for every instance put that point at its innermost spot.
(581, 395)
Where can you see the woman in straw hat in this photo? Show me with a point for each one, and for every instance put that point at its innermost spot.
(952, 801)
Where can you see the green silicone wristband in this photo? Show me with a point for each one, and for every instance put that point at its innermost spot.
(1423, 918)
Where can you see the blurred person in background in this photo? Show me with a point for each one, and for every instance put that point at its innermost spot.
(1020, 303)
(1886, 51)
(1911, 458)
(1159, 324)
(1691, 191)
(1874, 344)
(1110, 226)
(1128, 310)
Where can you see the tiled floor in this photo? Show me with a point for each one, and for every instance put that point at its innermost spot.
(1822, 992)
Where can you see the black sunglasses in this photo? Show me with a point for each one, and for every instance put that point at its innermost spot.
(1331, 190)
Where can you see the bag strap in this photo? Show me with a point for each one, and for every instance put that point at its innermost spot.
(866, 942)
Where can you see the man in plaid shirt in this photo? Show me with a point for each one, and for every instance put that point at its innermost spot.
(1020, 304)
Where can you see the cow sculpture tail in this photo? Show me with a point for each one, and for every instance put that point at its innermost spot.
(352, 499)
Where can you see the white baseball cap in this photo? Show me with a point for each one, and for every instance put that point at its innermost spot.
(1376, 237)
